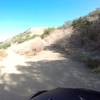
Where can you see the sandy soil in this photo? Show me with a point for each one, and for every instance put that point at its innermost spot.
(22, 76)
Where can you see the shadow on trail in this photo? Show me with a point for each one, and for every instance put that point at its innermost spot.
(46, 75)
(66, 47)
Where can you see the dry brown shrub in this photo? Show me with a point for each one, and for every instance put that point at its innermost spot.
(3, 54)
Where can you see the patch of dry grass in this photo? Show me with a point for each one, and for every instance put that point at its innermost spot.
(3, 54)
(27, 53)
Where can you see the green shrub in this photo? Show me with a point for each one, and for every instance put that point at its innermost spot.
(47, 32)
(87, 31)
(93, 63)
(82, 22)
(22, 37)
(66, 25)
(4, 45)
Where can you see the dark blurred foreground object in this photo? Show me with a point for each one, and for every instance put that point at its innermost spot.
(67, 94)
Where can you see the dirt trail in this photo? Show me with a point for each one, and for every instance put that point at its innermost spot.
(20, 76)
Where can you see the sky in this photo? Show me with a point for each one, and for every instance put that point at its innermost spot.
(16, 16)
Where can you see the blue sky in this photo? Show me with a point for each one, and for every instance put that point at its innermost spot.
(18, 15)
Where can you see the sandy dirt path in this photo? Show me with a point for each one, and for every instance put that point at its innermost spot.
(20, 76)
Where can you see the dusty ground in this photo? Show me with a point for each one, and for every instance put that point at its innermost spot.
(20, 76)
